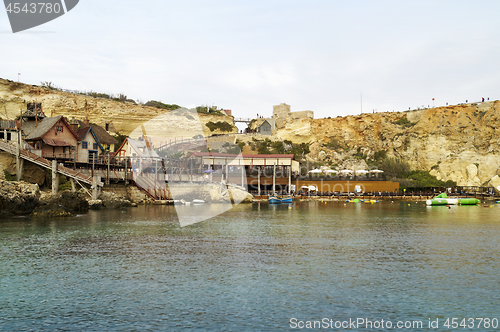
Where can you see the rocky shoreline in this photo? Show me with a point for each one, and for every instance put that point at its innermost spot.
(25, 199)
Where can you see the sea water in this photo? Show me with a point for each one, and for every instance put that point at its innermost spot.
(257, 267)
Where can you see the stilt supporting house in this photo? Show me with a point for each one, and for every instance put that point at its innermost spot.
(274, 178)
(55, 177)
(258, 179)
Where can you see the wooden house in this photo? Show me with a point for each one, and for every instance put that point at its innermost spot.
(267, 127)
(136, 149)
(107, 141)
(9, 130)
(51, 138)
(90, 148)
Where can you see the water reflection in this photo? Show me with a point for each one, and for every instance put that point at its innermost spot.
(250, 268)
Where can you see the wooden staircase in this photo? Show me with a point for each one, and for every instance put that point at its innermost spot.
(154, 188)
(31, 157)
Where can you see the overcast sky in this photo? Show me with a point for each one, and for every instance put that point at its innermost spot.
(250, 55)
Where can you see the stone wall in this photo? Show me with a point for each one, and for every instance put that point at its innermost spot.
(130, 192)
(302, 115)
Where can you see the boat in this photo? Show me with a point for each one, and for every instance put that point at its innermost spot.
(198, 201)
(277, 199)
(274, 199)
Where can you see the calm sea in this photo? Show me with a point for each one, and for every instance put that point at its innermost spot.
(254, 268)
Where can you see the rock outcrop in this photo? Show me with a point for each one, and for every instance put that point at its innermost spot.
(109, 200)
(18, 198)
(121, 116)
(459, 143)
(62, 204)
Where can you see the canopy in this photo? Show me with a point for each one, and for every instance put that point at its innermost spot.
(376, 171)
(346, 171)
(331, 171)
(209, 171)
(361, 171)
(315, 171)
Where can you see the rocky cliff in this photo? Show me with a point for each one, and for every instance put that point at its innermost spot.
(459, 143)
(123, 116)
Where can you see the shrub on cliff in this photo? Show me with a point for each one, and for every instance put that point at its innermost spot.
(220, 125)
(394, 168)
(159, 104)
(425, 179)
(404, 122)
(209, 110)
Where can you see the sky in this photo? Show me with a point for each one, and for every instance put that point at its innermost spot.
(335, 58)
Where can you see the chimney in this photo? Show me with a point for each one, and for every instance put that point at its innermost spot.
(74, 126)
(86, 121)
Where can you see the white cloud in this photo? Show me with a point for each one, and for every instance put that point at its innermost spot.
(248, 56)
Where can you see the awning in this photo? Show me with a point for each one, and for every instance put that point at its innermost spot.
(56, 142)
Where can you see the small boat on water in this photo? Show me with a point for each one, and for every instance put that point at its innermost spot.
(277, 199)
(198, 201)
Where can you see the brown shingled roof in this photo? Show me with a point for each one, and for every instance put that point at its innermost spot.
(102, 135)
(100, 132)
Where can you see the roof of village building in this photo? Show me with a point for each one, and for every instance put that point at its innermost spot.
(223, 155)
(100, 132)
(8, 124)
(140, 147)
(83, 132)
(36, 130)
(34, 110)
(256, 123)
(271, 122)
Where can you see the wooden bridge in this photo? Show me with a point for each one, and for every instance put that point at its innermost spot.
(22, 154)
(245, 120)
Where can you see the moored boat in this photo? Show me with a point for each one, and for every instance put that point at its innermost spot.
(276, 199)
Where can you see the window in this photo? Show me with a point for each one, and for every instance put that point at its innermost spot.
(9, 136)
(84, 145)
(59, 128)
(109, 147)
(94, 146)
(2, 135)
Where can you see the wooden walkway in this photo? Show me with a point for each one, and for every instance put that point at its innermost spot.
(31, 157)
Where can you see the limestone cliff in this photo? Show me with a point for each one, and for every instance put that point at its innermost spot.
(124, 117)
(459, 143)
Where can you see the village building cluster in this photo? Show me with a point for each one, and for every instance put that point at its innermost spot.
(282, 115)
(56, 138)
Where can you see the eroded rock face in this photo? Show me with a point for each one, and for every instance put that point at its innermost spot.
(123, 117)
(62, 204)
(112, 201)
(446, 140)
(18, 198)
